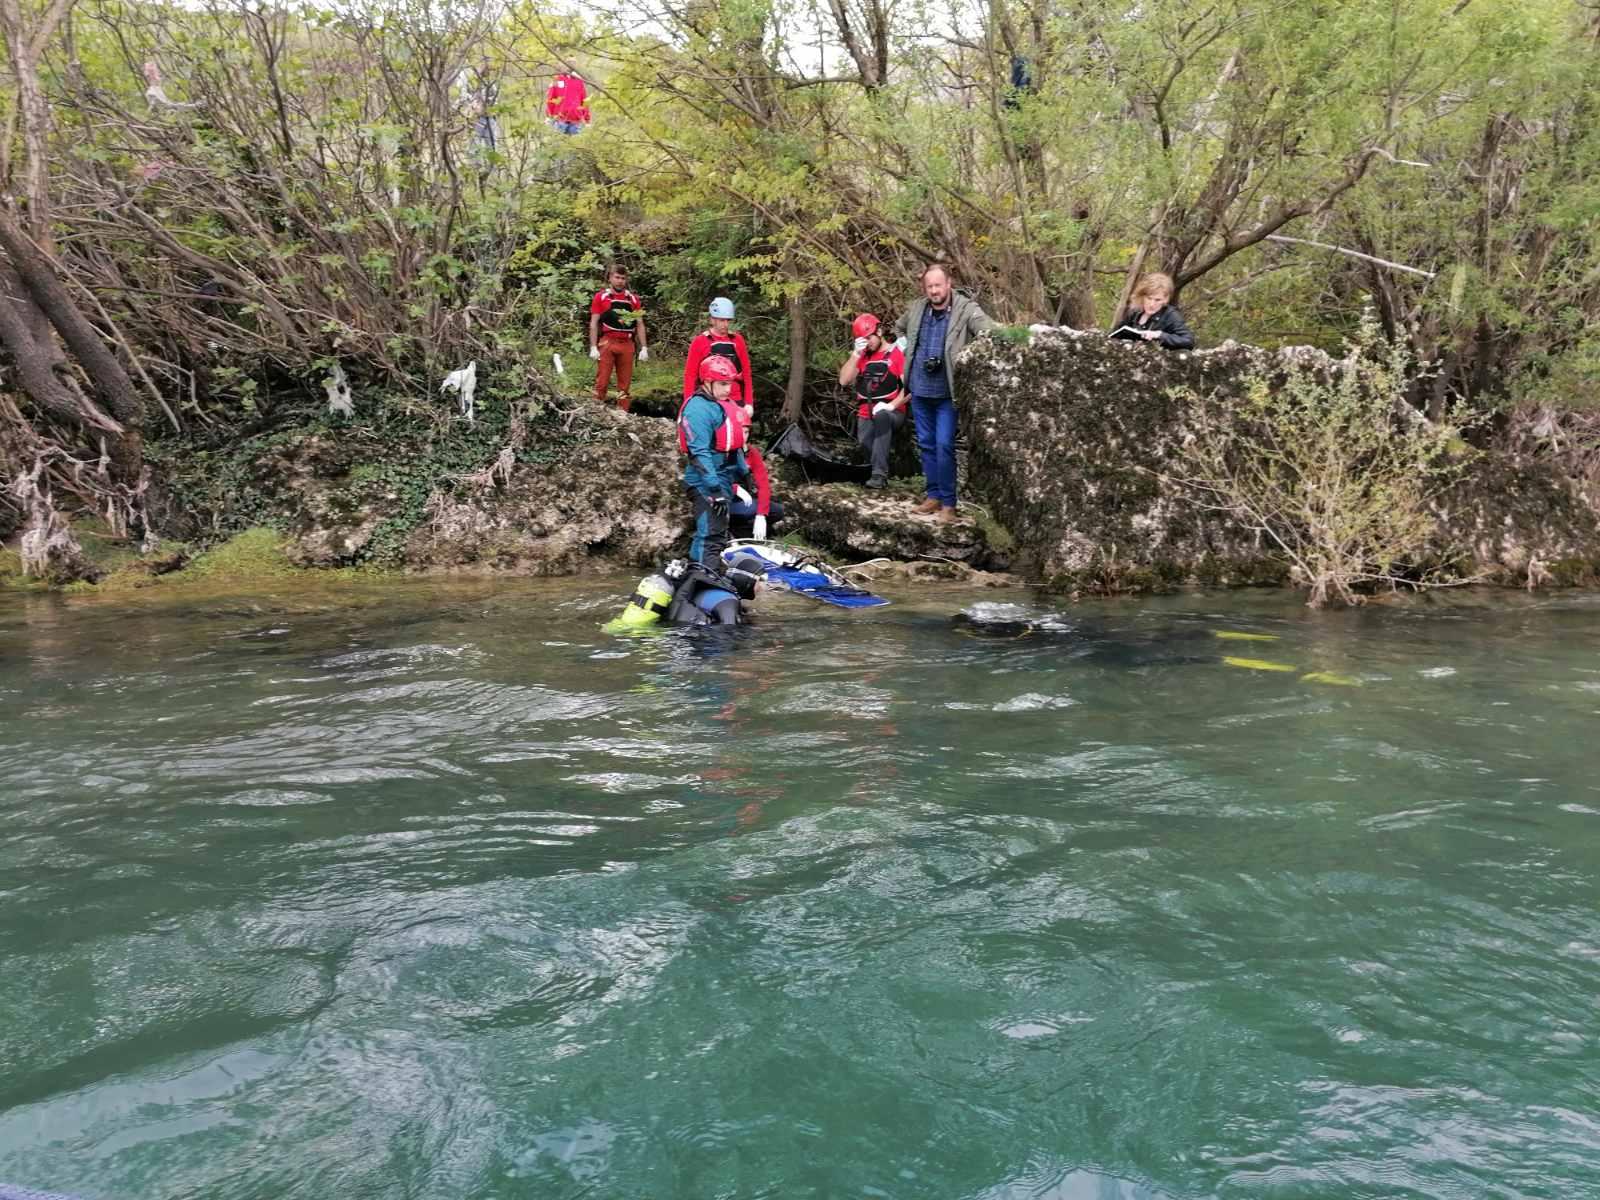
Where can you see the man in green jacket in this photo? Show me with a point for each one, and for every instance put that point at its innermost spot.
(936, 328)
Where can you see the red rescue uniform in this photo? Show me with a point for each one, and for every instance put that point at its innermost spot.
(732, 347)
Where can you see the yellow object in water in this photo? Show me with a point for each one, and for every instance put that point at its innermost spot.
(1234, 635)
(646, 607)
(1330, 677)
(1258, 664)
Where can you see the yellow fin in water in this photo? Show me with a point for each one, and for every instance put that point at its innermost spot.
(1330, 677)
(1235, 635)
(1258, 664)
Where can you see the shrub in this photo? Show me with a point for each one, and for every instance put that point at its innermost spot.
(1333, 466)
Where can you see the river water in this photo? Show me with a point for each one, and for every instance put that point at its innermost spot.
(439, 892)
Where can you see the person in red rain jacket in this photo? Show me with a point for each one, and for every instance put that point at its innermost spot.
(566, 103)
(719, 339)
(877, 369)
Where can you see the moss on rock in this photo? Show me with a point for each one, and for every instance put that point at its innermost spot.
(254, 554)
(1079, 441)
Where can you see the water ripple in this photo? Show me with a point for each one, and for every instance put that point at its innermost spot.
(426, 898)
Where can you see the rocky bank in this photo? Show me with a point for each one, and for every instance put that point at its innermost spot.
(1075, 439)
(595, 490)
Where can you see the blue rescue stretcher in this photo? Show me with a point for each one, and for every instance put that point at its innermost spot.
(784, 567)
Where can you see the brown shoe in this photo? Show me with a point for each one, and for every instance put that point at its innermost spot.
(945, 515)
(930, 505)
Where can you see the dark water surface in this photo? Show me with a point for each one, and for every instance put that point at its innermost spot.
(438, 893)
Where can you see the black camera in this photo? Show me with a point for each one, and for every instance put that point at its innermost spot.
(933, 362)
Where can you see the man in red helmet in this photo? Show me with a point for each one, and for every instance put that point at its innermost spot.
(877, 369)
(711, 431)
(721, 338)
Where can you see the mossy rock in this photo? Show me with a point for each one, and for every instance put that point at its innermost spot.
(11, 576)
(1079, 442)
(252, 555)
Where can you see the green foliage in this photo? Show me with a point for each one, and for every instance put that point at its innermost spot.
(252, 555)
(12, 577)
(245, 246)
(1332, 466)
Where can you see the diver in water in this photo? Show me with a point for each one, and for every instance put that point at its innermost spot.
(689, 593)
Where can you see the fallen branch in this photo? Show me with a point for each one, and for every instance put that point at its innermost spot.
(1382, 262)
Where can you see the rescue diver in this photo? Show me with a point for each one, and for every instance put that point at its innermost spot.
(688, 593)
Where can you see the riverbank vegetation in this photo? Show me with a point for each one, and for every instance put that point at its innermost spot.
(224, 222)
(1334, 469)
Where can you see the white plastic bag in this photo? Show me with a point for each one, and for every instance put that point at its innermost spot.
(464, 382)
(340, 401)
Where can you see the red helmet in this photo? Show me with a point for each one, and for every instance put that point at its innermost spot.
(717, 367)
(864, 326)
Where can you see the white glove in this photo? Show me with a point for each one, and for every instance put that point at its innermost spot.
(744, 496)
(644, 353)
(861, 344)
(758, 529)
(882, 406)
(594, 353)
(749, 412)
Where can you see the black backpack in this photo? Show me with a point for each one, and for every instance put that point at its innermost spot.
(818, 466)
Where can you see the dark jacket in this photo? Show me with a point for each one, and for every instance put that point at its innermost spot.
(967, 320)
(1175, 334)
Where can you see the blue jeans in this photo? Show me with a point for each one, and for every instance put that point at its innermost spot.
(740, 512)
(936, 438)
(567, 126)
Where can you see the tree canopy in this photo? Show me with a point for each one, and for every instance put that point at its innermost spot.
(237, 196)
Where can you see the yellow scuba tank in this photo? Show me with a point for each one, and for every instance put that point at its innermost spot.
(647, 606)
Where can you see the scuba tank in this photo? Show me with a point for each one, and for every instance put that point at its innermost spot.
(687, 593)
(707, 597)
(648, 604)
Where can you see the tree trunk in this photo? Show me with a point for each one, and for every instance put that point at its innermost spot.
(38, 276)
(794, 394)
(25, 46)
(41, 367)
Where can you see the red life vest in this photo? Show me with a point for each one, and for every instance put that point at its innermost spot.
(730, 434)
(728, 345)
(875, 381)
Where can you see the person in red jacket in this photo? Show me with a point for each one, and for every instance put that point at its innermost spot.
(616, 323)
(566, 103)
(720, 339)
(761, 509)
(877, 369)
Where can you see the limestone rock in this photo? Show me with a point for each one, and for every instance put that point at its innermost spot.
(1521, 519)
(1071, 435)
(614, 500)
(610, 496)
(330, 519)
(1075, 440)
(852, 524)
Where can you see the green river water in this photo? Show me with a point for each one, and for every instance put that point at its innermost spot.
(438, 892)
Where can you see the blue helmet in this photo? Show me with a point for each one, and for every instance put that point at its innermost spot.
(722, 307)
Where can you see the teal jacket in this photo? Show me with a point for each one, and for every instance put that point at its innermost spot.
(708, 470)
